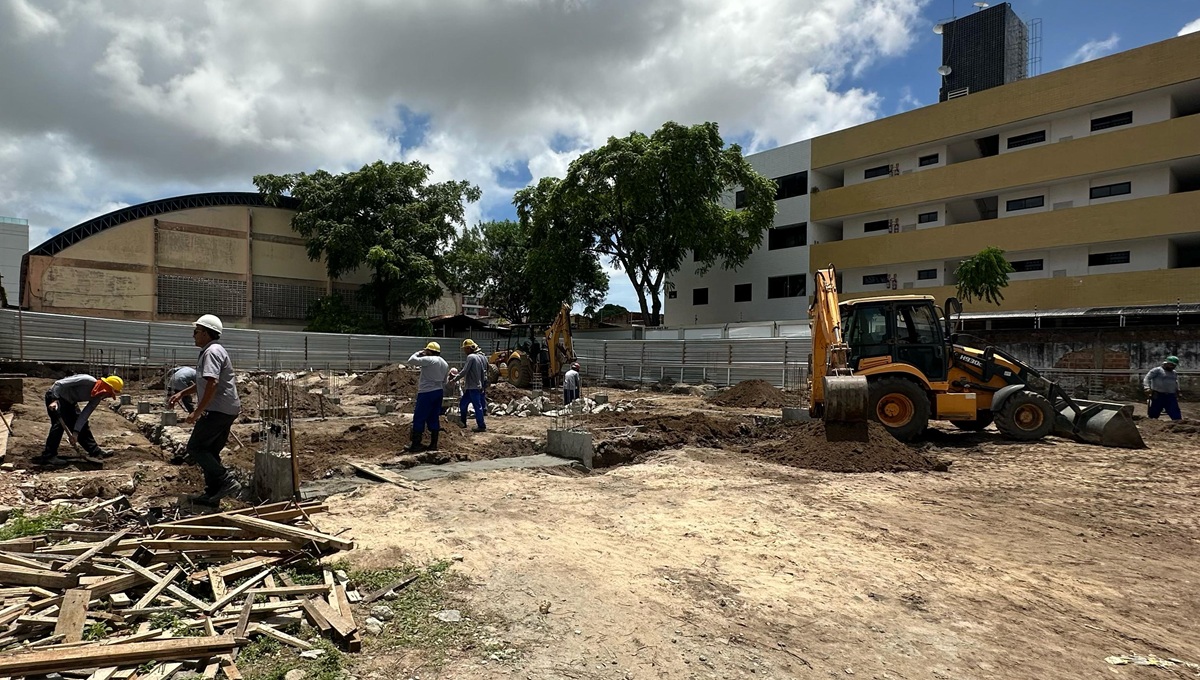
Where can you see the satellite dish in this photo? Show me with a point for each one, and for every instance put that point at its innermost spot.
(938, 28)
(982, 5)
(944, 70)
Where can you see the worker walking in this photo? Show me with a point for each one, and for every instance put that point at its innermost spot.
(430, 390)
(179, 380)
(1162, 386)
(62, 406)
(218, 407)
(571, 385)
(474, 378)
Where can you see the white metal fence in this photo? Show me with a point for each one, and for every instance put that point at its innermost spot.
(34, 336)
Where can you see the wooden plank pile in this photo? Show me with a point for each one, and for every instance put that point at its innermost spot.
(173, 595)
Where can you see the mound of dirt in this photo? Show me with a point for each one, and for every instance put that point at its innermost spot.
(660, 432)
(503, 392)
(1168, 430)
(392, 380)
(305, 404)
(806, 447)
(751, 394)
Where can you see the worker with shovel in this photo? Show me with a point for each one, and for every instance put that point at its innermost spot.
(62, 406)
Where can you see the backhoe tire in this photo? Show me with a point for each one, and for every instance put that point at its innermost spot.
(520, 372)
(1026, 416)
(899, 405)
(981, 421)
(493, 374)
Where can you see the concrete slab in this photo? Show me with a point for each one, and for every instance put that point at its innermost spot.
(793, 414)
(568, 444)
(421, 473)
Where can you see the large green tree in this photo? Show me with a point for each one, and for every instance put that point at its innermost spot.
(387, 217)
(648, 202)
(519, 279)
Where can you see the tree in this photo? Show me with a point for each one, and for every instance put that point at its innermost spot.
(609, 310)
(387, 217)
(646, 202)
(983, 275)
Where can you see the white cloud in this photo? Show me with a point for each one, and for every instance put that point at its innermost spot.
(1093, 49)
(1190, 28)
(120, 101)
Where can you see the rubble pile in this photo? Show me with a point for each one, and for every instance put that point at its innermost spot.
(120, 592)
(544, 406)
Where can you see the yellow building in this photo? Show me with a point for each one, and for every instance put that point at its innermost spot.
(1087, 177)
(174, 259)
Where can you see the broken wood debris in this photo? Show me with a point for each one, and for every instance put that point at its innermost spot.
(83, 601)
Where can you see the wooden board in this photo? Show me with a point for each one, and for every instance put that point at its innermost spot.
(21, 576)
(376, 472)
(95, 550)
(56, 660)
(157, 589)
(398, 585)
(263, 527)
(280, 636)
(284, 591)
(343, 627)
(8, 418)
(73, 614)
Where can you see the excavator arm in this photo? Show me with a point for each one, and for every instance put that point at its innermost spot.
(836, 395)
(558, 340)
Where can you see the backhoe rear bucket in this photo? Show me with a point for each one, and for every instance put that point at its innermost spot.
(846, 408)
(1099, 422)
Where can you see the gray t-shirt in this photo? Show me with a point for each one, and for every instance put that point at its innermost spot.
(74, 390)
(474, 371)
(1161, 380)
(571, 380)
(182, 378)
(434, 370)
(214, 363)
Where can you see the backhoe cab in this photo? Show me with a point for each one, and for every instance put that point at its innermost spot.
(916, 369)
(529, 351)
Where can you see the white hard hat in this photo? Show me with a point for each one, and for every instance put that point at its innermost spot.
(211, 322)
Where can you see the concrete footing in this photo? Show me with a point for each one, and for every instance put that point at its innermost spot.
(170, 418)
(143, 407)
(793, 414)
(272, 476)
(384, 407)
(600, 399)
(126, 400)
(574, 445)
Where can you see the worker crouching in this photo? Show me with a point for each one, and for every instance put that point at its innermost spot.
(430, 390)
(62, 406)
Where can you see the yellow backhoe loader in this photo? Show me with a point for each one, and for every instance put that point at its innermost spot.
(898, 360)
(521, 360)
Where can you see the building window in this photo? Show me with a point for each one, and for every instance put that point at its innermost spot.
(1026, 265)
(742, 292)
(926, 274)
(785, 286)
(790, 236)
(1102, 259)
(1115, 120)
(739, 199)
(926, 218)
(877, 225)
(931, 159)
(1027, 139)
(881, 171)
(699, 296)
(788, 186)
(875, 279)
(672, 294)
(1107, 190)
(1025, 203)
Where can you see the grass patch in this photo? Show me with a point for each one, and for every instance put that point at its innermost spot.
(170, 621)
(20, 525)
(266, 659)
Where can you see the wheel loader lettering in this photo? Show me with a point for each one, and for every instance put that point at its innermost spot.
(901, 357)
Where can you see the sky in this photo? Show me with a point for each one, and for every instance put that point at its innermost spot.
(113, 103)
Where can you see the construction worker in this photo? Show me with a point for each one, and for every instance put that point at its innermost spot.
(179, 380)
(218, 407)
(571, 385)
(1162, 386)
(430, 390)
(474, 378)
(62, 406)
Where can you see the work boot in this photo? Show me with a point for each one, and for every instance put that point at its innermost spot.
(100, 453)
(49, 461)
(479, 429)
(462, 423)
(433, 437)
(415, 446)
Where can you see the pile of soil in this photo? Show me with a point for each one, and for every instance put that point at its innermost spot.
(504, 393)
(751, 394)
(660, 432)
(392, 380)
(305, 404)
(1163, 429)
(806, 447)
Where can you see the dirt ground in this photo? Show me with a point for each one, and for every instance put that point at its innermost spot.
(709, 549)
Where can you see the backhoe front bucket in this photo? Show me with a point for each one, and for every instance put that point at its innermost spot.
(1099, 422)
(846, 408)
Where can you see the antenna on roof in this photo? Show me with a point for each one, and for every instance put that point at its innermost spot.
(944, 70)
(981, 5)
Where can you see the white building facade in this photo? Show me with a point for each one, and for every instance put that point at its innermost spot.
(14, 243)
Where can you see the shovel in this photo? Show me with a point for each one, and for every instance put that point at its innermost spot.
(83, 458)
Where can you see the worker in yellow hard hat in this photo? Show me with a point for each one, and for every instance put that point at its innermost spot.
(474, 378)
(62, 406)
(430, 390)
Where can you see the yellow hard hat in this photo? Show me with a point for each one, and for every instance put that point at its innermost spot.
(114, 382)
(468, 343)
(433, 347)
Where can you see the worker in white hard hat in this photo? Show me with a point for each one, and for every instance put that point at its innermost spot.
(62, 406)
(474, 379)
(571, 385)
(218, 407)
(430, 390)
